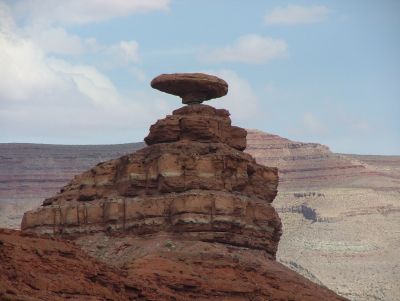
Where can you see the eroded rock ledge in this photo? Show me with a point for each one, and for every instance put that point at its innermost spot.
(196, 215)
(173, 167)
(198, 122)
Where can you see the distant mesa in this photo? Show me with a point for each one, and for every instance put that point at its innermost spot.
(193, 88)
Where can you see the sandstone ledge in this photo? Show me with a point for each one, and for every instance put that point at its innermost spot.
(200, 123)
(173, 167)
(212, 216)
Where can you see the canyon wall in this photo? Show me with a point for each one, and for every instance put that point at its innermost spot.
(308, 166)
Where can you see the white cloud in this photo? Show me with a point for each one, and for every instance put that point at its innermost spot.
(41, 29)
(126, 51)
(296, 14)
(6, 20)
(43, 97)
(241, 101)
(252, 49)
(23, 69)
(27, 72)
(129, 50)
(81, 12)
(57, 40)
(88, 81)
(80, 123)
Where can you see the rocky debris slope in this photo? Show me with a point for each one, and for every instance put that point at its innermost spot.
(34, 268)
(171, 269)
(188, 218)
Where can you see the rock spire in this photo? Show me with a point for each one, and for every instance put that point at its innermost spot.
(189, 216)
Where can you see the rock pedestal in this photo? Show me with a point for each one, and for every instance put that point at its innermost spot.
(191, 212)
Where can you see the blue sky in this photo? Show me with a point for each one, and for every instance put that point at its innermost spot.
(78, 72)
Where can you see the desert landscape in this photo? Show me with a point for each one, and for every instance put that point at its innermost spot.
(187, 217)
(340, 215)
(339, 212)
(165, 150)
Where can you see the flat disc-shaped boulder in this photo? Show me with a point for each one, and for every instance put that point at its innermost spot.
(191, 87)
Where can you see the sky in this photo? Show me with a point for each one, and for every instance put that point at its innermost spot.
(79, 72)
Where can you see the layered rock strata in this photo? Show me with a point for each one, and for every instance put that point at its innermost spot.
(195, 215)
(206, 190)
(185, 216)
(306, 166)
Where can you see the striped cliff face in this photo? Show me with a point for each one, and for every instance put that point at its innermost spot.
(308, 166)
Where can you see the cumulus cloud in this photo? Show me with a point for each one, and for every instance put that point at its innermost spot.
(57, 40)
(81, 12)
(296, 14)
(23, 69)
(43, 23)
(241, 100)
(88, 81)
(27, 71)
(45, 97)
(251, 48)
(126, 51)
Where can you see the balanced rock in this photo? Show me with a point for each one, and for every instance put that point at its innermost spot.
(189, 217)
(191, 87)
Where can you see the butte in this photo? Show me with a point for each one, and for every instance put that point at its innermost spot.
(189, 217)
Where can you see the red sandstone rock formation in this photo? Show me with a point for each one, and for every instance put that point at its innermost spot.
(202, 205)
(34, 269)
(206, 190)
(191, 87)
